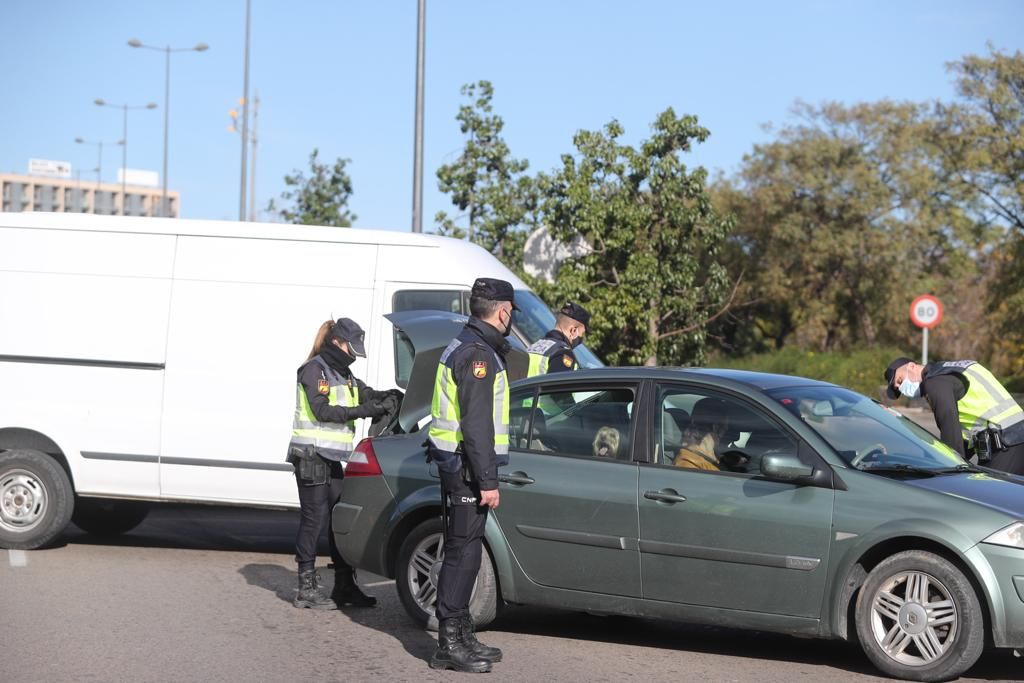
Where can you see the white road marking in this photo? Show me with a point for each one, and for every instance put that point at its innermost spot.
(17, 558)
(378, 583)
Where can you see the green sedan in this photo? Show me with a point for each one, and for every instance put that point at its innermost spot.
(722, 497)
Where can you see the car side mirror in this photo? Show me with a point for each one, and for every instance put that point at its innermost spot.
(785, 467)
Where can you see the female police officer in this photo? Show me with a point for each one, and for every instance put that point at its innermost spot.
(328, 401)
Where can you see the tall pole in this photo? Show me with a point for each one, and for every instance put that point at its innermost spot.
(417, 164)
(124, 164)
(99, 165)
(167, 120)
(252, 171)
(245, 115)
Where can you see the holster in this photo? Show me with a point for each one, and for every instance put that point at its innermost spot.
(310, 468)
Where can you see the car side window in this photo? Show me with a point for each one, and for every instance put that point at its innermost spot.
(587, 423)
(706, 432)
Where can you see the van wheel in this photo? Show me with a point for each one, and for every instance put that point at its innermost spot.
(36, 499)
(419, 565)
(919, 619)
(108, 518)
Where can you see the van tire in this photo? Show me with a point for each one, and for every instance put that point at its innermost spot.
(36, 499)
(423, 542)
(922, 588)
(108, 518)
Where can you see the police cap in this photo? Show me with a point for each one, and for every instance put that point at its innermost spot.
(577, 313)
(493, 289)
(890, 372)
(348, 330)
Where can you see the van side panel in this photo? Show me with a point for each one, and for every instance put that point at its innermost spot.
(83, 327)
(244, 314)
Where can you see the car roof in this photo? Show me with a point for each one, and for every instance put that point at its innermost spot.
(761, 381)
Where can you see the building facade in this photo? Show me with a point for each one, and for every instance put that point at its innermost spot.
(39, 193)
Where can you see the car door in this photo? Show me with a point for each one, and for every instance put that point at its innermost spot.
(568, 496)
(718, 534)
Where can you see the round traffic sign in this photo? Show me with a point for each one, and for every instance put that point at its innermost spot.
(926, 311)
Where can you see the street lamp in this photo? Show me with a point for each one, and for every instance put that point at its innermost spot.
(124, 142)
(167, 50)
(99, 161)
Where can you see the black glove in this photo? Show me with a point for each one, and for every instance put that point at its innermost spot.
(368, 409)
(397, 393)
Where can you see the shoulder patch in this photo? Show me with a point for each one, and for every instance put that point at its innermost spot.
(567, 361)
(323, 387)
(479, 369)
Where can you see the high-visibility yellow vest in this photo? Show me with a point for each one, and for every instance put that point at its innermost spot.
(986, 403)
(445, 433)
(332, 440)
(540, 353)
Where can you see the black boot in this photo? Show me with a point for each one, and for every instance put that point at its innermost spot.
(309, 592)
(491, 654)
(453, 653)
(346, 592)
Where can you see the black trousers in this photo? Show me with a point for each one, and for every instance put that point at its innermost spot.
(1011, 460)
(463, 547)
(315, 505)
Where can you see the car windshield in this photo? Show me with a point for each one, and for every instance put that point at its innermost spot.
(535, 319)
(866, 434)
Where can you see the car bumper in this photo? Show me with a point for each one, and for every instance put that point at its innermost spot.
(1005, 583)
(358, 521)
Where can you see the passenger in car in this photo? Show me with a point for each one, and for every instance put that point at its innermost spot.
(709, 422)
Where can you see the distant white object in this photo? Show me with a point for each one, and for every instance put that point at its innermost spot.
(49, 168)
(135, 176)
(542, 255)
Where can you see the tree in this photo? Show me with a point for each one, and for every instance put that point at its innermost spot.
(319, 199)
(651, 275)
(486, 183)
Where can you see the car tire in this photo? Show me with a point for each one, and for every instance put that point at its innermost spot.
(36, 499)
(918, 618)
(108, 518)
(416, 578)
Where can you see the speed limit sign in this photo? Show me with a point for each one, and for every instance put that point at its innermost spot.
(926, 311)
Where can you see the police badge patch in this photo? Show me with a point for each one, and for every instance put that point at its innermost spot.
(567, 361)
(479, 369)
(323, 387)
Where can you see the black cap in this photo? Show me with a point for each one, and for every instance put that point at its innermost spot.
(348, 330)
(493, 289)
(890, 372)
(577, 313)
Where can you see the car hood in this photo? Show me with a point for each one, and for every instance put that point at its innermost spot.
(1003, 492)
(430, 332)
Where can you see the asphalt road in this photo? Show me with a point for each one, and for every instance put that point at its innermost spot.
(203, 594)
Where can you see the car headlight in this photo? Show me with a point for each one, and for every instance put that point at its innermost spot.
(1011, 536)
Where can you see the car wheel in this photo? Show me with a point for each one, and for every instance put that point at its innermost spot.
(919, 619)
(36, 499)
(419, 565)
(108, 518)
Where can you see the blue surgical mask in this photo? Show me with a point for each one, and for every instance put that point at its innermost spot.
(910, 389)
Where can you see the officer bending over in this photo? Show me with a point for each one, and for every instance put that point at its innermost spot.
(969, 404)
(468, 440)
(554, 352)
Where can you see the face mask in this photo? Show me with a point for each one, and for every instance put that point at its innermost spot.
(508, 326)
(910, 389)
(576, 342)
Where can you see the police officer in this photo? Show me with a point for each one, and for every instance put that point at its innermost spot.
(328, 401)
(554, 352)
(468, 440)
(969, 405)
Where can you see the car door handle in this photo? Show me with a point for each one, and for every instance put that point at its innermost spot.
(665, 496)
(516, 479)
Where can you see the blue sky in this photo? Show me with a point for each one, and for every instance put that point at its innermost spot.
(340, 76)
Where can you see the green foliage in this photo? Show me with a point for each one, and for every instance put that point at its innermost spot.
(861, 370)
(651, 276)
(318, 199)
(486, 183)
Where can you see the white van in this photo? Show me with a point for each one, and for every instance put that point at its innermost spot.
(152, 359)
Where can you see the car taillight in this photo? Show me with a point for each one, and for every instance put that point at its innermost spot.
(363, 461)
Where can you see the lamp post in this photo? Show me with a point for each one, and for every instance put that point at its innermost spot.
(417, 163)
(99, 159)
(124, 142)
(167, 50)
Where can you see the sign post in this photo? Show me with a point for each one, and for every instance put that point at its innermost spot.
(926, 313)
